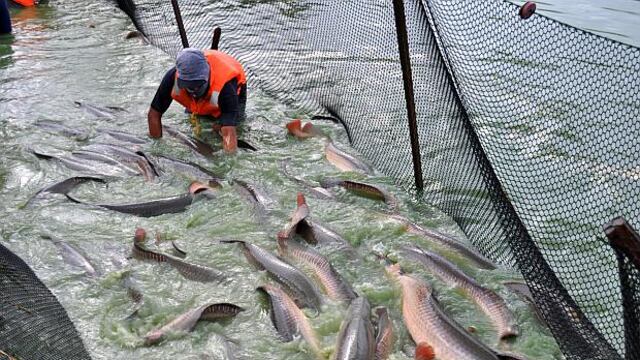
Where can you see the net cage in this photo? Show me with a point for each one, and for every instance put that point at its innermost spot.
(527, 129)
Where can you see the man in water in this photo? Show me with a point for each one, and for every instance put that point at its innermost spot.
(207, 83)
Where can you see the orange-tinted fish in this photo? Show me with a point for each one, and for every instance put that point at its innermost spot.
(384, 335)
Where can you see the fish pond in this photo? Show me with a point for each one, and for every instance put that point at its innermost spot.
(65, 53)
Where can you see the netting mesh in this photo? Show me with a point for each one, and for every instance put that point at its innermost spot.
(528, 129)
(33, 324)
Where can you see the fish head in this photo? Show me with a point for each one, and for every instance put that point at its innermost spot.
(424, 351)
(139, 235)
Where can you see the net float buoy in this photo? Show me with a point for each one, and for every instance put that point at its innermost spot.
(527, 9)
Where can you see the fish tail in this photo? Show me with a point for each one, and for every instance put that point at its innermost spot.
(294, 126)
(139, 235)
(300, 199)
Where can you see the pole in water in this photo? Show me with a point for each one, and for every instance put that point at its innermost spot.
(405, 61)
(178, 15)
(626, 243)
(215, 41)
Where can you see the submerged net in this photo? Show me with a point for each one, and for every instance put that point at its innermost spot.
(33, 324)
(528, 129)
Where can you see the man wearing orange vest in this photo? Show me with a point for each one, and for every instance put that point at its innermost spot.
(207, 83)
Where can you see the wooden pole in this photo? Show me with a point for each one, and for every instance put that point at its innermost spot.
(405, 61)
(178, 15)
(215, 41)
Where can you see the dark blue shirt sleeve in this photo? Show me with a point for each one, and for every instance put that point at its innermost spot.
(162, 100)
(229, 104)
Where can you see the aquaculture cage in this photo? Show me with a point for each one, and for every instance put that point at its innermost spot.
(526, 133)
(526, 130)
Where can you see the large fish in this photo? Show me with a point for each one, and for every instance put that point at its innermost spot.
(317, 191)
(288, 319)
(94, 168)
(194, 144)
(445, 241)
(384, 334)
(258, 198)
(489, 302)
(312, 231)
(522, 290)
(344, 161)
(362, 189)
(127, 156)
(295, 281)
(152, 208)
(191, 170)
(124, 136)
(429, 326)
(189, 271)
(335, 286)
(65, 186)
(59, 128)
(72, 256)
(107, 112)
(355, 339)
(188, 320)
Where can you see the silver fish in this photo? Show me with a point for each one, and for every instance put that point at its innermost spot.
(445, 241)
(429, 326)
(108, 112)
(59, 128)
(488, 301)
(317, 191)
(188, 320)
(288, 319)
(335, 286)
(355, 339)
(65, 186)
(300, 286)
(73, 256)
(344, 161)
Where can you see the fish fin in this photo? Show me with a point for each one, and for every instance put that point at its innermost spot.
(510, 356)
(73, 199)
(179, 252)
(293, 126)
(424, 351)
(242, 144)
(329, 183)
(300, 199)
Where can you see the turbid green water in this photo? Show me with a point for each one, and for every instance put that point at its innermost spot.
(65, 52)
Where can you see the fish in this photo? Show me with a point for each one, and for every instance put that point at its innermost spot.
(310, 230)
(356, 339)
(104, 158)
(191, 170)
(333, 283)
(72, 256)
(301, 288)
(445, 241)
(288, 319)
(65, 186)
(317, 191)
(127, 156)
(194, 144)
(158, 207)
(424, 352)
(5, 356)
(107, 112)
(301, 213)
(91, 168)
(363, 189)
(134, 293)
(384, 334)
(429, 325)
(258, 198)
(179, 252)
(189, 271)
(187, 321)
(59, 128)
(123, 136)
(344, 161)
(296, 129)
(489, 302)
(521, 289)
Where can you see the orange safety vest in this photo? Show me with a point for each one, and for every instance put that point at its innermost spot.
(222, 68)
(26, 2)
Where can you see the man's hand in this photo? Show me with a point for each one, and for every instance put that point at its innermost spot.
(229, 139)
(155, 123)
